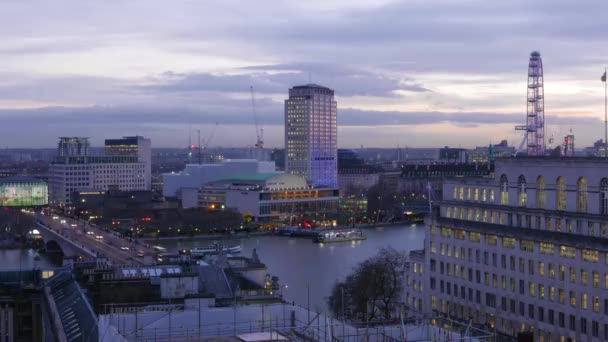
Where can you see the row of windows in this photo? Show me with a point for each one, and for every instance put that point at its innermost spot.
(513, 264)
(517, 308)
(527, 221)
(547, 248)
(476, 194)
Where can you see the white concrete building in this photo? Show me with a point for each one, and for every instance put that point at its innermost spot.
(311, 136)
(523, 250)
(195, 176)
(270, 197)
(76, 170)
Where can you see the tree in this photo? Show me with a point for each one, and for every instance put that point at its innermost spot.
(372, 291)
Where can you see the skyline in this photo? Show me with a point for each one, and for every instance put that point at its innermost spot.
(404, 73)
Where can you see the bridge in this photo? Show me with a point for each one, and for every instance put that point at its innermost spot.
(75, 238)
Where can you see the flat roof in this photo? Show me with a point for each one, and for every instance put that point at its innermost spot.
(21, 179)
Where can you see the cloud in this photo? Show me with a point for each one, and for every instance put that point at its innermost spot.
(276, 79)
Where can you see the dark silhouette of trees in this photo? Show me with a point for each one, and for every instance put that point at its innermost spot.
(372, 292)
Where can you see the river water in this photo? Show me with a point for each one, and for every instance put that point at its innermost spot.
(24, 259)
(310, 270)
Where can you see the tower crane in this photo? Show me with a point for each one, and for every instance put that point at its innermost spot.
(259, 132)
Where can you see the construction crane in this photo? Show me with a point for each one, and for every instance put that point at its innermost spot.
(259, 132)
(203, 146)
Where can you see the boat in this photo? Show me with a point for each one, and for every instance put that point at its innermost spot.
(340, 235)
(214, 249)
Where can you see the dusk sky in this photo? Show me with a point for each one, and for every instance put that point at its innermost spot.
(409, 73)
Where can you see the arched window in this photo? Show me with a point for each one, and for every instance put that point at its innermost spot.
(560, 193)
(522, 198)
(504, 190)
(541, 196)
(604, 196)
(581, 195)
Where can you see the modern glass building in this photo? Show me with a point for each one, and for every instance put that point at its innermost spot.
(20, 191)
(311, 138)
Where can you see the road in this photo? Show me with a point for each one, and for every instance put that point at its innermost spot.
(105, 242)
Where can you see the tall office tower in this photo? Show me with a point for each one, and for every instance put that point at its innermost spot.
(311, 135)
(73, 146)
(132, 146)
(524, 250)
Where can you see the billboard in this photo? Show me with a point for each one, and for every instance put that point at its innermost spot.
(23, 194)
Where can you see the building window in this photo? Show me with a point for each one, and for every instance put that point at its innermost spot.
(522, 197)
(572, 298)
(504, 190)
(508, 242)
(595, 279)
(540, 192)
(491, 239)
(581, 195)
(526, 245)
(567, 252)
(596, 304)
(560, 193)
(546, 248)
(590, 255)
(604, 196)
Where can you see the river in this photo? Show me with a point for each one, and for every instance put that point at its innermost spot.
(25, 259)
(305, 266)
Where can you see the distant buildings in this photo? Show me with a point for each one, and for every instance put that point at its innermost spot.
(485, 154)
(311, 134)
(126, 166)
(522, 250)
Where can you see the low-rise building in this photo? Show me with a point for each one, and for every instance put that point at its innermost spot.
(270, 197)
(195, 176)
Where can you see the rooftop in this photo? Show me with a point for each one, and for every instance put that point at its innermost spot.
(20, 179)
(250, 177)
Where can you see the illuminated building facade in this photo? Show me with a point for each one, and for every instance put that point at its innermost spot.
(72, 172)
(523, 250)
(311, 138)
(132, 146)
(20, 191)
(276, 197)
(73, 146)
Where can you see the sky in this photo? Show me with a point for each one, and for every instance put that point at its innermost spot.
(412, 73)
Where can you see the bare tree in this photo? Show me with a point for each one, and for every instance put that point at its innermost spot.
(372, 291)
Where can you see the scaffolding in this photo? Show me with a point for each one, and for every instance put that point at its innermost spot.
(274, 322)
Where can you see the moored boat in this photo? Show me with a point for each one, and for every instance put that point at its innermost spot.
(213, 249)
(341, 235)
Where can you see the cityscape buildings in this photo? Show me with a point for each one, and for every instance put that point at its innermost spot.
(127, 167)
(311, 136)
(272, 197)
(522, 250)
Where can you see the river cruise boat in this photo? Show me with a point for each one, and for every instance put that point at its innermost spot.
(212, 249)
(340, 235)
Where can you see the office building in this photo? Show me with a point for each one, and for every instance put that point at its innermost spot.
(73, 146)
(75, 170)
(524, 250)
(311, 134)
(132, 146)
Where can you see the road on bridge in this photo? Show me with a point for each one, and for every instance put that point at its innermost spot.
(105, 242)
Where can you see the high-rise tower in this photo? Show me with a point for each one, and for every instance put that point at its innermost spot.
(311, 142)
(535, 116)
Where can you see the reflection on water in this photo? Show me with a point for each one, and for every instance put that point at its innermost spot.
(16, 259)
(299, 263)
